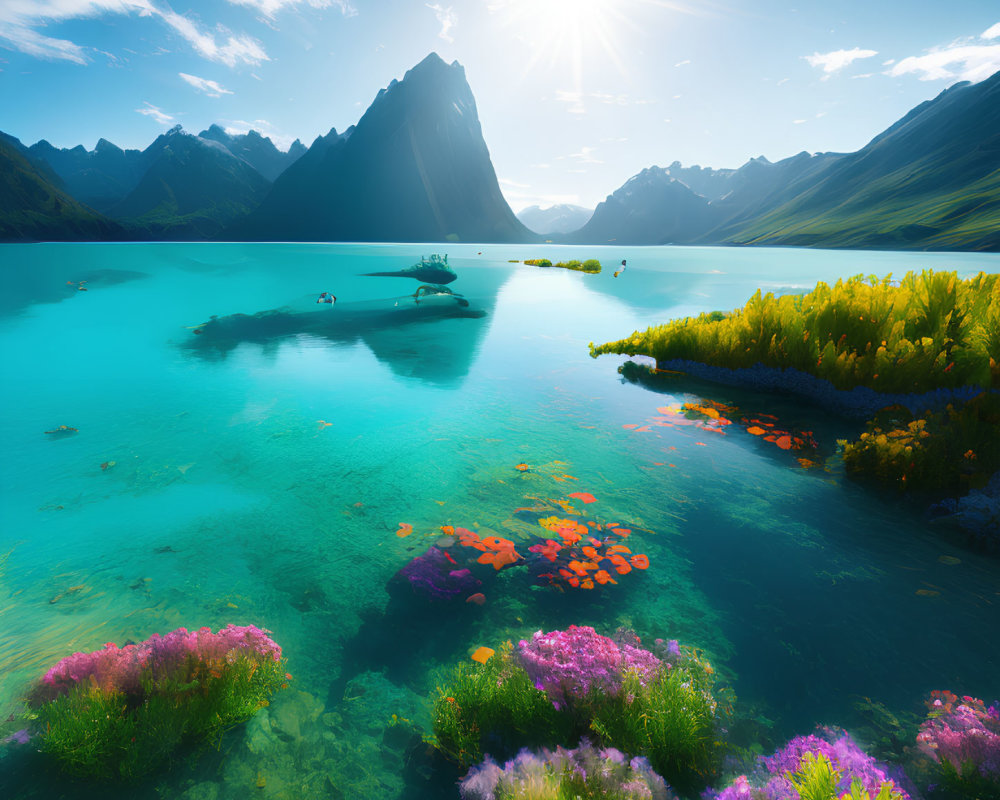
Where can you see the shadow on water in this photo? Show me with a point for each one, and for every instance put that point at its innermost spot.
(415, 338)
(54, 284)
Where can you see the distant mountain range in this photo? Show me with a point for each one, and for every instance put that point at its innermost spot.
(931, 181)
(416, 168)
(563, 218)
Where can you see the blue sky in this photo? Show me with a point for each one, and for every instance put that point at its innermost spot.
(574, 96)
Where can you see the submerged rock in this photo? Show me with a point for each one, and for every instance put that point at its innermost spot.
(429, 270)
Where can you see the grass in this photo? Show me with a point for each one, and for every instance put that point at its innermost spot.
(112, 736)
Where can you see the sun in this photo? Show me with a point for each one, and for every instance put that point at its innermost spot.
(567, 32)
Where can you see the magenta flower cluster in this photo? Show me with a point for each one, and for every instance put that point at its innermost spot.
(772, 782)
(568, 665)
(605, 772)
(123, 668)
(964, 733)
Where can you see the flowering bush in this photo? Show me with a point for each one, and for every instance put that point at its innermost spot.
(123, 669)
(824, 767)
(563, 685)
(568, 665)
(585, 772)
(120, 712)
(963, 737)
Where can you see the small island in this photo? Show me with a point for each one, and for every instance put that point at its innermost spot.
(591, 266)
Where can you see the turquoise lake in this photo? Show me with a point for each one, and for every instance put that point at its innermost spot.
(263, 478)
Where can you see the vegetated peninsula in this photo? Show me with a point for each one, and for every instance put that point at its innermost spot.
(920, 358)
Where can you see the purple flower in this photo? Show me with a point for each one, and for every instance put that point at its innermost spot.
(606, 772)
(966, 734)
(568, 665)
(122, 668)
(771, 781)
(18, 737)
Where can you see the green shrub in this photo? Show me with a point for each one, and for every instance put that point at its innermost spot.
(538, 262)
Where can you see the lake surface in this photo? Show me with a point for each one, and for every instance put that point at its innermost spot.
(263, 477)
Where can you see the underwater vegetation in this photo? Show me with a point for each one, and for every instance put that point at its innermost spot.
(828, 766)
(573, 553)
(120, 712)
(949, 451)
(584, 772)
(591, 266)
(961, 736)
(562, 685)
(928, 331)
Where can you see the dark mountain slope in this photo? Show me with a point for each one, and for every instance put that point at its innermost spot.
(415, 168)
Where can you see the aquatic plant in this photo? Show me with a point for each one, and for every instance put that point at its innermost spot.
(494, 704)
(931, 330)
(433, 577)
(569, 665)
(827, 766)
(564, 685)
(962, 737)
(585, 772)
(950, 451)
(119, 713)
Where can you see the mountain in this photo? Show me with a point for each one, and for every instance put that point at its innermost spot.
(414, 169)
(33, 209)
(651, 208)
(555, 219)
(100, 177)
(258, 151)
(931, 180)
(191, 189)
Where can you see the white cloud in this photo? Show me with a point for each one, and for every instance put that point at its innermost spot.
(574, 101)
(585, 156)
(211, 88)
(152, 111)
(836, 60)
(236, 49)
(958, 61)
(782, 81)
(863, 75)
(888, 63)
(271, 7)
(19, 20)
(515, 184)
(991, 32)
(798, 121)
(446, 17)
(682, 63)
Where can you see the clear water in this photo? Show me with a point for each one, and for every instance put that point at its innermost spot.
(231, 500)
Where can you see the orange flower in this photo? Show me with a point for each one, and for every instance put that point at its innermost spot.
(602, 577)
(639, 561)
(590, 552)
